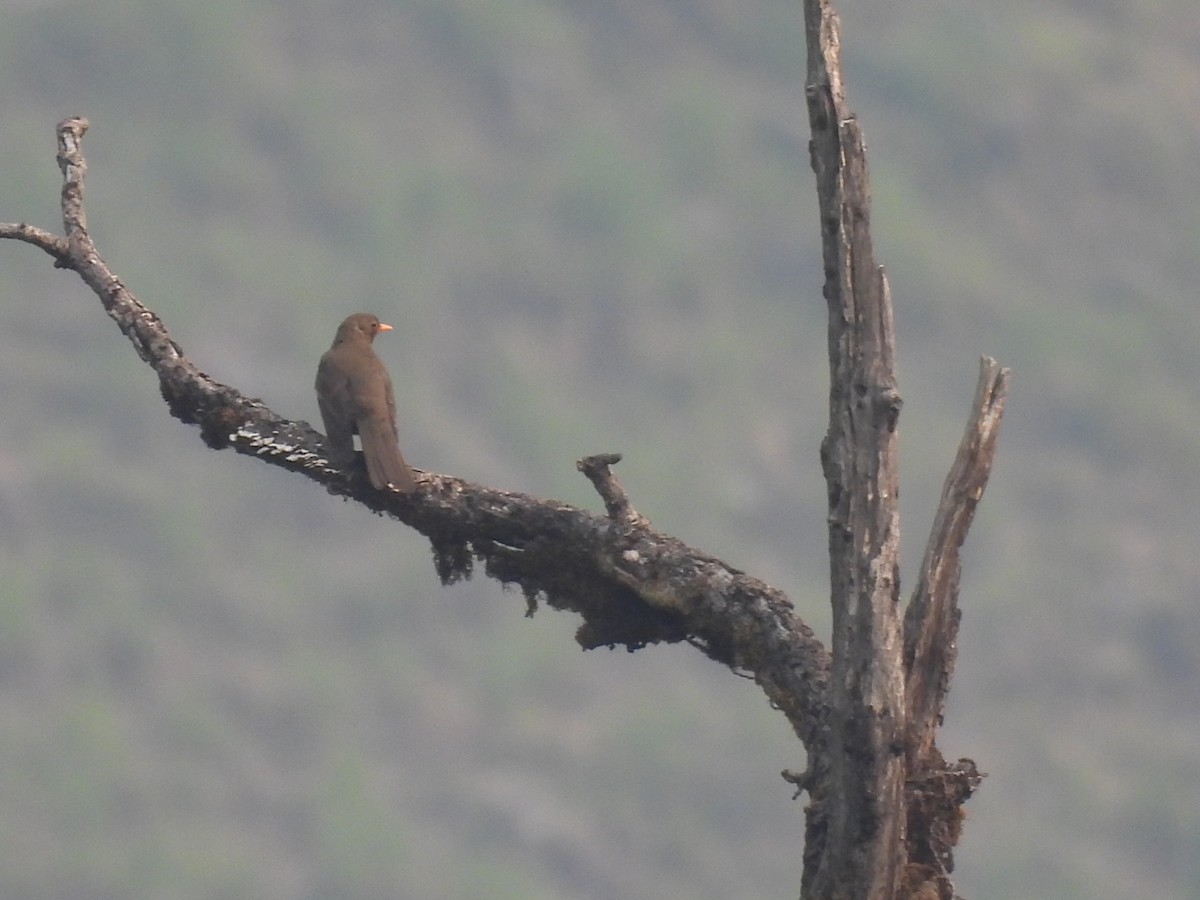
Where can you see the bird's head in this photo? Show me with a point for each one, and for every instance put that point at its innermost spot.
(360, 326)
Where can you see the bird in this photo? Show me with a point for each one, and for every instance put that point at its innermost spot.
(354, 393)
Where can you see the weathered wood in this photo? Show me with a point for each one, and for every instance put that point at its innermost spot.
(931, 620)
(631, 584)
(885, 809)
(862, 802)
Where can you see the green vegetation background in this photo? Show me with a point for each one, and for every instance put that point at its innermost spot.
(593, 223)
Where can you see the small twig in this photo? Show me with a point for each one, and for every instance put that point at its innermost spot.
(801, 780)
(39, 237)
(616, 500)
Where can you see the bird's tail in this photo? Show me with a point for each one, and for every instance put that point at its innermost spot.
(385, 465)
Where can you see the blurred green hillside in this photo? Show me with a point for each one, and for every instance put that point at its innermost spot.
(593, 224)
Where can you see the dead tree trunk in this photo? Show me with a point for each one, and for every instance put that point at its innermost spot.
(885, 808)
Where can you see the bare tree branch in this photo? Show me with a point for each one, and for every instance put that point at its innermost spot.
(31, 234)
(931, 620)
(632, 585)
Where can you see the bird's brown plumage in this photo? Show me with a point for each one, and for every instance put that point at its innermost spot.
(355, 396)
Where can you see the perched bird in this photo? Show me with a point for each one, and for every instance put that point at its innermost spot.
(355, 396)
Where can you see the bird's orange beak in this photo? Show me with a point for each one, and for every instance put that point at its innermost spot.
(385, 327)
